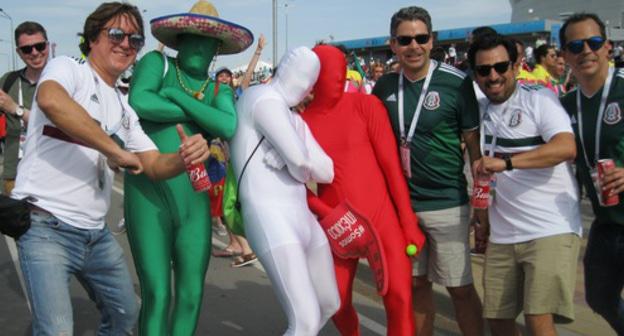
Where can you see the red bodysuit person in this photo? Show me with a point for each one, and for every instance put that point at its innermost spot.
(354, 130)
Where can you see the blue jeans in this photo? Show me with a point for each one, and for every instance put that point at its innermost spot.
(51, 251)
(604, 273)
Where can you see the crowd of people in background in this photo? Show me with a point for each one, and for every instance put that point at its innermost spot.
(542, 64)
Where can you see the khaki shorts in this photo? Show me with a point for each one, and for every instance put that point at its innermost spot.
(537, 277)
(446, 256)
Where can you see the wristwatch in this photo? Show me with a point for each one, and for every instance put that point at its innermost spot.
(508, 165)
(19, 111)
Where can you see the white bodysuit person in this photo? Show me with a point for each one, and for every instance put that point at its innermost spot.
(283, 232)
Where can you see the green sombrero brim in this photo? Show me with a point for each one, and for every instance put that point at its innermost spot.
(235, 38)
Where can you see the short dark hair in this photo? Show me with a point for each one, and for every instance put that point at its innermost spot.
(105, 12)
(579, 17)
(412, 13)
(221, 70)
(479, 31)
(438, 54)
(488, 42)
(29, 28)
(541, 52)
(516, 41)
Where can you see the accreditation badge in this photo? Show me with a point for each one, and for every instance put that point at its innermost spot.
(404, 151)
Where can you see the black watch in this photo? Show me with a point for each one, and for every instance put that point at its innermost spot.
(508, 165)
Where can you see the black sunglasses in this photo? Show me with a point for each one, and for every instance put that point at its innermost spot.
(405, 40)
(116, 35)
(484, 69)
(27, 49)
(577, 46)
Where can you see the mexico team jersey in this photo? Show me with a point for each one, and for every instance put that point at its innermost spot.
(437, 163)
(529, 203)
(611, 139)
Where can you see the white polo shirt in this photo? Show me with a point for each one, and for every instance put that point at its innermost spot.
(529, 203)
(67, 179)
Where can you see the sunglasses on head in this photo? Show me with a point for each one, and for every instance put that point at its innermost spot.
(116, 35)
(27, 49)
(594, 43)
(405, 40)
(485, 69)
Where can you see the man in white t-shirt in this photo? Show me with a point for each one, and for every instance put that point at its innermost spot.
(452, 53)
(81, 129)
(534, 217)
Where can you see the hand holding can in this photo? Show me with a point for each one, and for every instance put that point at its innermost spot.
(481, 192)
(606, 197)
(196, 172)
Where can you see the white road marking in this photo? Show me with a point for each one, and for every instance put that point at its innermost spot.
(232, 325)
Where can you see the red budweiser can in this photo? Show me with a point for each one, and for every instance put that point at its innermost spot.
(481, 192)
(199, 177)
(606, 199)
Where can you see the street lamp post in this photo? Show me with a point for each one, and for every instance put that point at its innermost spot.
(274, 33)
(6, 15)
(286, 21)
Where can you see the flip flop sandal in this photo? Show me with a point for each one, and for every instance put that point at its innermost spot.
(225, 253)
(244, 260)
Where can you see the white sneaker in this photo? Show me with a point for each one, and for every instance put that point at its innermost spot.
(121, 227)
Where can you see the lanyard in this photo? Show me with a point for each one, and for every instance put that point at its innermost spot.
(115, 128)
(20, 95)
(601, 109)
(423, 93)
(20, 101)
(494, 132)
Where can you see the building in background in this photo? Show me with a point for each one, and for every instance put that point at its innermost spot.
(531, 21)
(610, 11)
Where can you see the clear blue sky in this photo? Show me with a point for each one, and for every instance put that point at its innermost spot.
(308, 20)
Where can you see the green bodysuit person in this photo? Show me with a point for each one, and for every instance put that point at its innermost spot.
(168, 223)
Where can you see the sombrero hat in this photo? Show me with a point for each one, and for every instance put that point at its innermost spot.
(203, 19)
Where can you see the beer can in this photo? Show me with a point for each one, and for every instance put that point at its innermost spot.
(199, 177)
(481, 192)
(606, 199)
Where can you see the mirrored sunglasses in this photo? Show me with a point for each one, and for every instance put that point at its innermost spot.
(116, 35)
(594, 43)
(405, 40)
(27, 49)
(484, 70)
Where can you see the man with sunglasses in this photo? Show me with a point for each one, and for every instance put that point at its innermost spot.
(32, 42)
(535, 229)
(431, 106)
(81, 129)
(595, 108)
